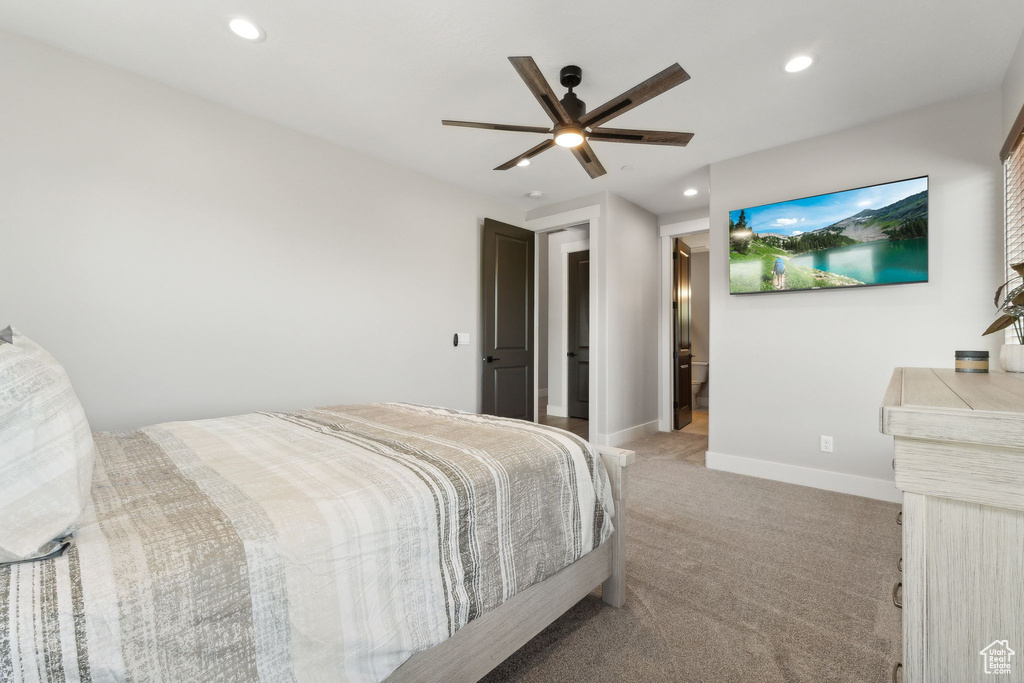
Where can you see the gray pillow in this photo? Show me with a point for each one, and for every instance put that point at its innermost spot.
(46, 451)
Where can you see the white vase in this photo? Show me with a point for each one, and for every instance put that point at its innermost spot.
(1011, 357)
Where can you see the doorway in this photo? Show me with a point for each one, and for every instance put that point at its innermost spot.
(564, 339)
(682, 409)
(694, 299)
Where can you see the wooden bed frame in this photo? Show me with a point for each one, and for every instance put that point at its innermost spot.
(486, 642)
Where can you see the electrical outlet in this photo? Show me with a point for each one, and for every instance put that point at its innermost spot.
(826, 444)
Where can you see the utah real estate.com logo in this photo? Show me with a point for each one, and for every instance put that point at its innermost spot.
(997, 658)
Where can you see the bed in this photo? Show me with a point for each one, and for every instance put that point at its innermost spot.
(364, 543)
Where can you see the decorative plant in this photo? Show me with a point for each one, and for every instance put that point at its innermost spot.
(1012, 305)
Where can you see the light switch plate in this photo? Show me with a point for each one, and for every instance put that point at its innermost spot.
(461, 339)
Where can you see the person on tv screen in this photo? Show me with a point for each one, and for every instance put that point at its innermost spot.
(779, 273)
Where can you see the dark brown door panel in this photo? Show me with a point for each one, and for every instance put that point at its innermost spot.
(507, 320)
(579, 334)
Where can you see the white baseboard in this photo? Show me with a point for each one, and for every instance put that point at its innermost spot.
(880, 489)
(557, 411)
(626, 435)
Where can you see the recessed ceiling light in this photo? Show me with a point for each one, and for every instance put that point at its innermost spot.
(627, 167)
(798, 63)
(243, 28)
(690, 191)
(523, 162)
(536, 194)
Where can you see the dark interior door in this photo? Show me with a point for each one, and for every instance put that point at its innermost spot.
(579, 334)
(683, 411)
(508, 320)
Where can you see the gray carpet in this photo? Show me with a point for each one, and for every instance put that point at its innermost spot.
(732, 578)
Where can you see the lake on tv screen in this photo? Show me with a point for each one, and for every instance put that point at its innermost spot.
(870, 236)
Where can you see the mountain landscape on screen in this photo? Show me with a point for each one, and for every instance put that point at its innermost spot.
(874, 235)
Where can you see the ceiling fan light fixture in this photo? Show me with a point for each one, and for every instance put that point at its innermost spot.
(523, 162)
(569, 136)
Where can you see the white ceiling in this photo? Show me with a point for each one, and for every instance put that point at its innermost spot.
(379, 76)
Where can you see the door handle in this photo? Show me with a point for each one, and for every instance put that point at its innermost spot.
(571, 354)
(491, 359)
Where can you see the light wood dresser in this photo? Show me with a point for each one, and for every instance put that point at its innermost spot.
(959, 459)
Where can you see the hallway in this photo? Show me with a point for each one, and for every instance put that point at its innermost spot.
(576, 425)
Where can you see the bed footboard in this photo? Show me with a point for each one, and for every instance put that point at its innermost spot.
(483, 643)
(617, 462)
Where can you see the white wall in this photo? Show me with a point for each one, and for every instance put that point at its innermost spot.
(184, 260)
(699, 303)
(630, 295)
(790, 367)
(1013, 88)
(556, 324)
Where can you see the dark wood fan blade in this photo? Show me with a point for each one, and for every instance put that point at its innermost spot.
(585, 155)
(497, 126)
(652, 87)
(529, 154)
(640, 137)
(538, 85)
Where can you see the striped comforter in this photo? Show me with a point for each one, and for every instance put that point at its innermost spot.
(320, 545)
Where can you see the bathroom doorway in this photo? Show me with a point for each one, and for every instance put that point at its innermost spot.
(684, 346)
(682, 404)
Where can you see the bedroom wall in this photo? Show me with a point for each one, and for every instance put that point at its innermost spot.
(791, 367)
(699, 303)
(630, 293)
(184, 260)
(1013, 88)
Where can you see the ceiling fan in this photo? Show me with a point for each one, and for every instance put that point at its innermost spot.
(574, 127)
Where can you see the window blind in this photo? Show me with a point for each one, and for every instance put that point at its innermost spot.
(1014, 212)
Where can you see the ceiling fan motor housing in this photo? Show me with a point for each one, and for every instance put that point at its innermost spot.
(570, 77)
(574, 106)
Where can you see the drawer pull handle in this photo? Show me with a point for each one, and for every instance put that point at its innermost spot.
(896, 672)
(899, 565)
(899, 518)
(897, 594)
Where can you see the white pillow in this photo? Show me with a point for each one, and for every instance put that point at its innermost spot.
(46, 451)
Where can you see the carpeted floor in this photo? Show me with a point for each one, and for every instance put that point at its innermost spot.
(730, 579)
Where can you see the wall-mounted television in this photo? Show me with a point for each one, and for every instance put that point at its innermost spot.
(876, 235)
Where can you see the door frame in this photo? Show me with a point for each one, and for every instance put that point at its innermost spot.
(665, 366)
(589, 216)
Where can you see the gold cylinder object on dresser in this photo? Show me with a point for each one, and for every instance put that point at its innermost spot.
(972, 361)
